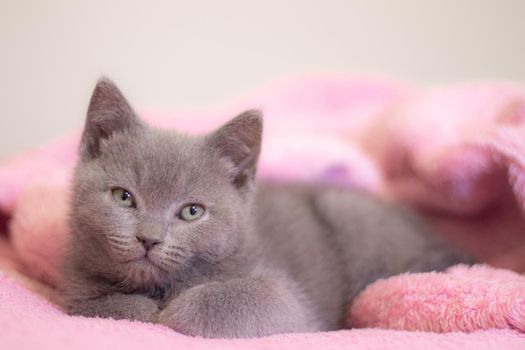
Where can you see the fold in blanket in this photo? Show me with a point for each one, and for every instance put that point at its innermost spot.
(455, 153)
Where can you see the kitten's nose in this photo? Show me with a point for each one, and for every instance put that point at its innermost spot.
(147, 242)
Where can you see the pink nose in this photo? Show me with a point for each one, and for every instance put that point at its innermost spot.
(148, 243)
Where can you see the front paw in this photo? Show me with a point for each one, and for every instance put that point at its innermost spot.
(236, 309)
(117, 306)
(145, 310)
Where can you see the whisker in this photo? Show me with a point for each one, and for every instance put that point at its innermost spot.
(179, 249)
(167, 258)
(119, 235)
(120, 245)
(174, 257)
(113, 239)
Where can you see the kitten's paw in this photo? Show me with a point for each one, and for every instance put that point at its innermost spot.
(117, 306)
(145, 310)
(235, 309)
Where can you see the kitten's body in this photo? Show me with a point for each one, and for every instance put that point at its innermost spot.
(333, 242)
(287, 259)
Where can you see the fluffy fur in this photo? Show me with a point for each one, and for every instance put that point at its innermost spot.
(258, 262)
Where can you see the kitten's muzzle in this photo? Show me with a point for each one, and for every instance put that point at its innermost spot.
(148, 242)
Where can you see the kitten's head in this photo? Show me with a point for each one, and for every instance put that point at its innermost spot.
(149, 203)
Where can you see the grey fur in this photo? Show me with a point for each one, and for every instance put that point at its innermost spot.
(258, 262)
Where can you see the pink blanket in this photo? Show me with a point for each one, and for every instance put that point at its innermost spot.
(455, 153)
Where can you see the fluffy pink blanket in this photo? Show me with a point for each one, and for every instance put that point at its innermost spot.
(455, 153)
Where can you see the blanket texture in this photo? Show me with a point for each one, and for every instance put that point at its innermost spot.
(455, 153)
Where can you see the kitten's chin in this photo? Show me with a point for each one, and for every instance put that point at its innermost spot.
(143, 273)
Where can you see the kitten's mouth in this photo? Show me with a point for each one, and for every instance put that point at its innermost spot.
(143, 259)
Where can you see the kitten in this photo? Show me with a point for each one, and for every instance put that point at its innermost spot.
(170, 228)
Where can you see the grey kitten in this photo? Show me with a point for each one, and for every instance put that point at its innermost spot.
(170, 228)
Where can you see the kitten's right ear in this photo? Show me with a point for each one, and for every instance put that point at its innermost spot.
(109, 112)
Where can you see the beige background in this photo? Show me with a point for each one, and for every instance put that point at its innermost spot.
(199, 53)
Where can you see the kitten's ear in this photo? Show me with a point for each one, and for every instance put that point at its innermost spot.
(239, 141)
(108, 113)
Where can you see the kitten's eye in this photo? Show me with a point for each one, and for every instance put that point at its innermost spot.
(123, 197)
(191, 212)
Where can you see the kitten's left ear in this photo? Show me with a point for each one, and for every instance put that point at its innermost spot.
(239, 141)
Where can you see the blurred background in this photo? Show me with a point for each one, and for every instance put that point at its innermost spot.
(183, 54)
